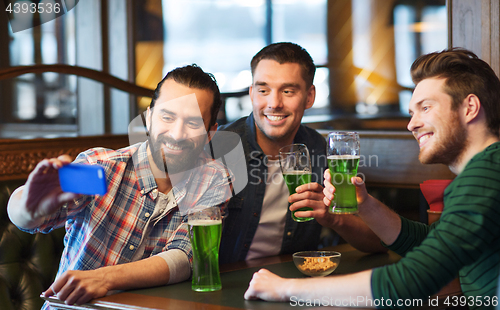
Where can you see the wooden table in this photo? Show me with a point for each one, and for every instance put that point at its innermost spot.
(235, 279)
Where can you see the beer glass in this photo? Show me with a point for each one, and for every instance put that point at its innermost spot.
(205, 229)
(343, 159)
(296, 168)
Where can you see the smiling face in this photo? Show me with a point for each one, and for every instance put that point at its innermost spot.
(279, 97)
(441, 134)
(178, 126)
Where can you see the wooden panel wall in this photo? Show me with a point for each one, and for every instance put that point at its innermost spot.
(19, 157)
(475, 25)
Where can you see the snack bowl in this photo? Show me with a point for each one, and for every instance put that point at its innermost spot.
(316, 263)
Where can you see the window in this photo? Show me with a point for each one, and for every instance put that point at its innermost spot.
(222, 36)
(47, 98)
(418, 30)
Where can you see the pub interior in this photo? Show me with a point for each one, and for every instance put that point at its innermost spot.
(363, 49)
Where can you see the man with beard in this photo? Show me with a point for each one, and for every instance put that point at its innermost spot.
(136, 235)
(455, 117)
(259, 223)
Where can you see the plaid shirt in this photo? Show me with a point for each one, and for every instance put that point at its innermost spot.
(106, 230)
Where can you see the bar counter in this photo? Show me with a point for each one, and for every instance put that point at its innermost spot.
(235, 278)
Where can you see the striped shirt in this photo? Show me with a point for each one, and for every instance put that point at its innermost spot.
(107, 230)
(464, 242)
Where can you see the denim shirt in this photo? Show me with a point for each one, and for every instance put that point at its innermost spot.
(245, 208)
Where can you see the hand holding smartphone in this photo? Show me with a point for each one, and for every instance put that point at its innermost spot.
(83, 179)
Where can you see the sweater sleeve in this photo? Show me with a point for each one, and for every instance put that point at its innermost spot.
(465, 240)
(412, 234)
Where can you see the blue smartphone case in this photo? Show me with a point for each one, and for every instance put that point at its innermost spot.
(83, 179)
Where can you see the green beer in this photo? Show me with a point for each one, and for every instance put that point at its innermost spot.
(294, 179)
(205, 240)
(342, 169)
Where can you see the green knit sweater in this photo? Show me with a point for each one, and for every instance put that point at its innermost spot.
(465, 242)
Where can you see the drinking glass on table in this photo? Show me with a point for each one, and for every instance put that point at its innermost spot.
(343, 159)
(295, 165)
(205, 229)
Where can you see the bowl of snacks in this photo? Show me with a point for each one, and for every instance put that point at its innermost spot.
(316, 263)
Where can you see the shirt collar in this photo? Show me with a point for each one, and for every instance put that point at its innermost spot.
(143, 171)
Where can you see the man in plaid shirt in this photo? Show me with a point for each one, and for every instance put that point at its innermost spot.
(135, 235)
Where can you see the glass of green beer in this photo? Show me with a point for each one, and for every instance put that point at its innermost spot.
(295, 165)
(205, 229)
(343, 159)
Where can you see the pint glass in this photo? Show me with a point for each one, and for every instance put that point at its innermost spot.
(205, 229)
(343, 160)
(296, 168)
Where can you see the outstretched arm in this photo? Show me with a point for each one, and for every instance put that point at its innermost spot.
(350, 227)
(40, 196)
(78, 287)
(384, 222)
(346, 290)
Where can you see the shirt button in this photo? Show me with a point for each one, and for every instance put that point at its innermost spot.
(155, 191)
(131, 247)
(147, 214)
(289, 233)
(142, 192)
(256, 214)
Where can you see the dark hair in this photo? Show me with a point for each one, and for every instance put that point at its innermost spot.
(285, 52)
(194, 77)
(465, 74)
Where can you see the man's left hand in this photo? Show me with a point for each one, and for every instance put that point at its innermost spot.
(267, 286)
(78, 287)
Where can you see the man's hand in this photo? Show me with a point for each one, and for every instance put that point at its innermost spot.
(41, 195)
(329, 191)
(310, 195)
(79, 287)
(375, 218)
(266, 285)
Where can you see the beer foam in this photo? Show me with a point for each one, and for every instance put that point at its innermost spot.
(204, 222)
(297, 172)
(343, 157)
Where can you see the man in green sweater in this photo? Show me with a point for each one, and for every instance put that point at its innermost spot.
(455, 117)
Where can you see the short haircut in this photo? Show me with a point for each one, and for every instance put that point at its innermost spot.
(464, 74)
(194, 77)
(286, 52)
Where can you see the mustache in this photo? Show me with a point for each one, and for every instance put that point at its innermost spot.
(184, 144)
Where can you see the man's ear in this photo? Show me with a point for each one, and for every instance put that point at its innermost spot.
(311, 96)
(472, 106)
(210, 130)
(148, 119)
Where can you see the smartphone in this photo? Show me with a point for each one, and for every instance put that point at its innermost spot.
(83, 179)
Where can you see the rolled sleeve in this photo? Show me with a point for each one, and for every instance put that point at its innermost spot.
(178, 265)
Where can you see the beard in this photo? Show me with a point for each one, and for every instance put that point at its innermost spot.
(447, 149)
(174, 163)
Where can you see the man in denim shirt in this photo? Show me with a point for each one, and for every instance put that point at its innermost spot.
(259, 223)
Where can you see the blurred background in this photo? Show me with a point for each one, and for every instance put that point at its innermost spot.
(363, 50)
